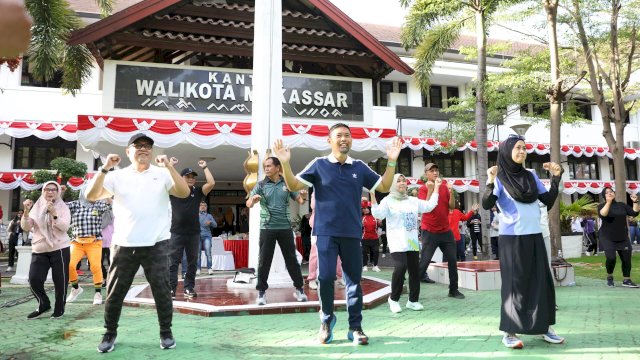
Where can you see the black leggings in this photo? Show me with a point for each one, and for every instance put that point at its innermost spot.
(625, 257)
(476, 240)
(403, 261)
(370, 247)
(58, 262)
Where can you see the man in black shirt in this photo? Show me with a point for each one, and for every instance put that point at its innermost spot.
(185, 229)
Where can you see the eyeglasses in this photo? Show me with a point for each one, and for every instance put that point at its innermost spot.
(142, 146)
(516, 136)
(50, 190)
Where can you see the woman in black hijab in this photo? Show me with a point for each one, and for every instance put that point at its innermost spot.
(614, 235)
(528, 293)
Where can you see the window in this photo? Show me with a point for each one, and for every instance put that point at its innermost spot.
(29, 80)
(535, 161)
(583, 168)
(450, 165)
(34, 153)
(452, 92)
(403, 165)
(387, 87)
(435, 96)
(631, 166)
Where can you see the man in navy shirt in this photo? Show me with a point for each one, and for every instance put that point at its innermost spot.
(338, 181)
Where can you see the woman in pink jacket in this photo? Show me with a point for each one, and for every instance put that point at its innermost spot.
(48, 220)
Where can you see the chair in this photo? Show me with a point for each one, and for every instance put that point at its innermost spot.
(220, 259)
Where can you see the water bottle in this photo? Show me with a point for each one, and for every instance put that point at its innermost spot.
(559, 253)
(19, 240)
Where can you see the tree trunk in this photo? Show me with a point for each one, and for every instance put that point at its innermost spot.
(481, 122)
(556, 96)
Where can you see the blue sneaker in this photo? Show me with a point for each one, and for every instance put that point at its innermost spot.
(552, 337)
(512, 341)
(357, 336)
(325, 335)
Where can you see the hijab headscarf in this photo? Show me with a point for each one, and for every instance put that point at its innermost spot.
(518, 181)
(44, 220)
(394, 193)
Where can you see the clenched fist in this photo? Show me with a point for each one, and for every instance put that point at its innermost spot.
(492, 173)
(15, 27)
(164, 161)
(554, 168)
(112, 161)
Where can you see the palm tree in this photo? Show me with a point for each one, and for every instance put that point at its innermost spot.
(432, 27)
(53, 22)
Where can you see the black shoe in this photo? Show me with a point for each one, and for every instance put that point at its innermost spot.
(628, 283)
(108, 343)
(189, 293)
(357, 336)
(56, 315)
(167, 341)
(36, 314)
(173, 294)
(610, 281)
(456, 294)
(427, 280)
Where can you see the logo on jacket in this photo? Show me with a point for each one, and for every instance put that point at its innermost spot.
(355, 176)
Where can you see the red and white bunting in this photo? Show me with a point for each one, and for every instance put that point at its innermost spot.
(10, 180)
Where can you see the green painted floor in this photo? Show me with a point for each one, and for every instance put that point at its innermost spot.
(598, 323)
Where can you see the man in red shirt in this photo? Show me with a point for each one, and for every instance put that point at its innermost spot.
(436, 232)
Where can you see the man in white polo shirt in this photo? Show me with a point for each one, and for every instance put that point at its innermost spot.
(141, 231)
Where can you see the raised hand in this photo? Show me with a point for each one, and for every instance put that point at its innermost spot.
(112, 161)
(450, 185)
(430, 186)
(393, 149)
(173, 161)
(553, 168)
(634, 198)
(255, 199)
(492, 173)
(27, 204)
(437, 183)
(164, 161)
(280, 151)
(202, 164)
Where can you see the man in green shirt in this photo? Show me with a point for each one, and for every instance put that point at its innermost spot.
(275, 226)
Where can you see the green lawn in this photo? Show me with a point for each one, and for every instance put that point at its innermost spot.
(593, 267)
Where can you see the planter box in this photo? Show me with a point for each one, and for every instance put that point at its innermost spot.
(571, 246)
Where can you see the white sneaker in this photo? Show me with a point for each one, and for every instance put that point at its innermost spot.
(97, 299)
(74, 294)
(262, 299)
(313, 285)
(552, 337)
(376, 268)
(210, 271)
(300, 295)
(416, 306)
(394, 306)
(198, 272)
(9, 268)
(512, 341)
(365, 269)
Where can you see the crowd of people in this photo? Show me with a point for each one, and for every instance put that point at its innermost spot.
(121, 218)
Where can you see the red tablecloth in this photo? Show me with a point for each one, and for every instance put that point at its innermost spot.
(240, 250)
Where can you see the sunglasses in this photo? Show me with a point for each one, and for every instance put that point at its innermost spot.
(142, 146)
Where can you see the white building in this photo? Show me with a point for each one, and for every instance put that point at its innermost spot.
(359, 77)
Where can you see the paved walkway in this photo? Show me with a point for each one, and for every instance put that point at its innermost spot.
(598, 323)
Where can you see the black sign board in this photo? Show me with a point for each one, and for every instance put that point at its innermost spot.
(228, 92)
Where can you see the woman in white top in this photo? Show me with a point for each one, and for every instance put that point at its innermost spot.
(401, 212)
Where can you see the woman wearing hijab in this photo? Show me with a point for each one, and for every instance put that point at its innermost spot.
(614, 236)
(48, 220)
(528, 293)
(401, 212)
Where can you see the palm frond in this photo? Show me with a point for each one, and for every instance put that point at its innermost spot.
(106, 7)
(425, 14)
(583, 206)
(77, 64)
(436, 41)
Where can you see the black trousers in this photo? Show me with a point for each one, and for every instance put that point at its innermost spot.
(625, 257)
(494, 247)
(385, 245)
(13, 242)
(58, 262)
(370, 249)
(126, 261)
(476, 240)
(106, 256)
(447, 244)
(403, 261)
(306, 245)
(190, 245)
(593, 242)
(284, 238)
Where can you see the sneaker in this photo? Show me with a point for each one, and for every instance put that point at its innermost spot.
(108, 343)
(210, 271)
(300, 295)
(394, 306)
(376, 269)
(9, 268)
(365, 269)
(313, 285)
(173, 294)
(552, 337)
(340, 282)
(198, 272)
(56, 316)
(475, 257)
(383, 255)
(610, 281)
(427, 280)
(97, 299)
(512, 341)
(74, 294)
(628, 283)
(456, 294)
(416, 306)
(190, 293)
(167, 341)
(588, 253)
(325, 335)
(357, 336)
(36, 314)
(262, 298)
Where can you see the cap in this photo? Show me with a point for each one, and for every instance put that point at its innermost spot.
(139, 136)
(430, 165)
(188, 171)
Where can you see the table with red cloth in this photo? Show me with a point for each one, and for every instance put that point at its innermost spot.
(240, 250)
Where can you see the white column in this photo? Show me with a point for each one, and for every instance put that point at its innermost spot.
(266, 120)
